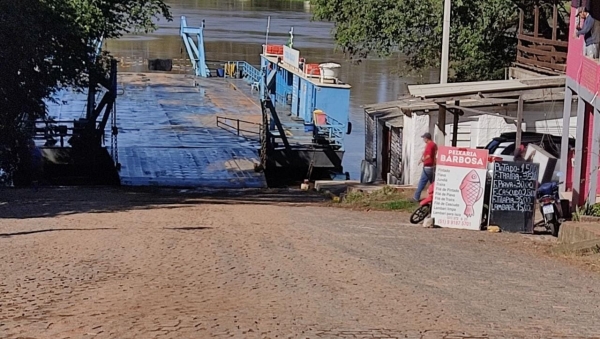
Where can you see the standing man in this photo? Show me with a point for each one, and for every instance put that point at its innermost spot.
(428, 161)
(590, 30)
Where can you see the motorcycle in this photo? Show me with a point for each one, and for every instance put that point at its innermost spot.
(424, 209)
(550, 206)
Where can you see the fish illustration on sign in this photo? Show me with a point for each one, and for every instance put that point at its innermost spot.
(471, 191)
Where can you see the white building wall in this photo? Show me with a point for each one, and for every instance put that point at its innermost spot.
(408, 138)
(487, 127)
(414, 127)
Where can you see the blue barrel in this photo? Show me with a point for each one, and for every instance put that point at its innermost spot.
(220, 72)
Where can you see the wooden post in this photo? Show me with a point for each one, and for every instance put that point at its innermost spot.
(554, 21)
(536, 22)
(440, 138)
(519, 124)
(554, 28)
(521, 20)
(521, 23)
(455, 125)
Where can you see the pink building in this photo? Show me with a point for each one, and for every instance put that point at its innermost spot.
(583, 82)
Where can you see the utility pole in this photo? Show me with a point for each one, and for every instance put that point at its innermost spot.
(445, 42)
(440, 137)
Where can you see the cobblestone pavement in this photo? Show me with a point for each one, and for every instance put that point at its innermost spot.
(99, 263)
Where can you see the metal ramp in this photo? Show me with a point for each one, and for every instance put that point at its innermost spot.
(168, 134)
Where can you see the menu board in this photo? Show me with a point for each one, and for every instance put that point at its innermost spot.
(459, 189)
(512, 202)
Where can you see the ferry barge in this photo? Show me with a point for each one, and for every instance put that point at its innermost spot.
(235, 126)
(305, 108)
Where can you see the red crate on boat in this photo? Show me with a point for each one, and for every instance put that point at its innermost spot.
(312, 69)
(275, 49)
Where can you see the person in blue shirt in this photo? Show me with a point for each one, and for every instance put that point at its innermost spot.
(590, 31)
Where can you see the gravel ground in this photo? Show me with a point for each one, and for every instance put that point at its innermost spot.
(108, 263)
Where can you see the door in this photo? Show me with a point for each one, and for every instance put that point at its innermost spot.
(302, 100)
(295, 89)
(309, 99)
(385, 152)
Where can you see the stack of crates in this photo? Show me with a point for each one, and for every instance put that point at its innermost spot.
(273, 50)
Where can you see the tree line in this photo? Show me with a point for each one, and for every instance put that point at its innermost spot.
(46, 45)
(482, 36)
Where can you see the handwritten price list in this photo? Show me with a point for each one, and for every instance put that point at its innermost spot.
(513, 195)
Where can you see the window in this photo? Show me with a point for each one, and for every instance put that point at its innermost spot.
(510, 149)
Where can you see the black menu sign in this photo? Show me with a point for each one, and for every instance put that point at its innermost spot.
(512, 202)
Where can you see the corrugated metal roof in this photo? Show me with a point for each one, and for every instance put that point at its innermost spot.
(466, 88)
(476, 112)
(408, 106)
(395, 122)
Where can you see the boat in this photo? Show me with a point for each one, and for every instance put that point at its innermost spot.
(305, 107)
(236, 125)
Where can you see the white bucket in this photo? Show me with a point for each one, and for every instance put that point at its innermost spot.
(330, 70)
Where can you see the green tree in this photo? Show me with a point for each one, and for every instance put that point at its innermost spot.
(482, 35)
(49, 44)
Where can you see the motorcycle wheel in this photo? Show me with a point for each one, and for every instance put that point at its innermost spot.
(554, 226)
(420, 214)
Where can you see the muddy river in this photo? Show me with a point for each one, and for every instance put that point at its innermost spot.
(235, 30)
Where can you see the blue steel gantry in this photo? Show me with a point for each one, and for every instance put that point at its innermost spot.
(195, 48)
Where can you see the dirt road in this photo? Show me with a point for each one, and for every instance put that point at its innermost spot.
(89, 263)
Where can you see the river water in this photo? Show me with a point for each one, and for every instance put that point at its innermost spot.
(235, 30)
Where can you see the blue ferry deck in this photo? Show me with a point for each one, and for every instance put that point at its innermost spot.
(168, 133)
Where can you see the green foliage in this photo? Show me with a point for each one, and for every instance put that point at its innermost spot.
(48, 44)
(113, 18)
(594, 210)
(398, 205)
(386, 198)
(586, 210)
(482, 35)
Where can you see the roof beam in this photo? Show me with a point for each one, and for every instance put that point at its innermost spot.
(463, 90)
(479, 112)
(528, 94)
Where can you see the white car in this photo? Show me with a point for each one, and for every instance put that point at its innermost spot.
(502, 148)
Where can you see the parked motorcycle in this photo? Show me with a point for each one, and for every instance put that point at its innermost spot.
(550, 206)
(424, 209)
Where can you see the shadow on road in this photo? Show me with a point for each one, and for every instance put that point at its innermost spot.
(187, 228)
(55, 201)
(8, 235)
